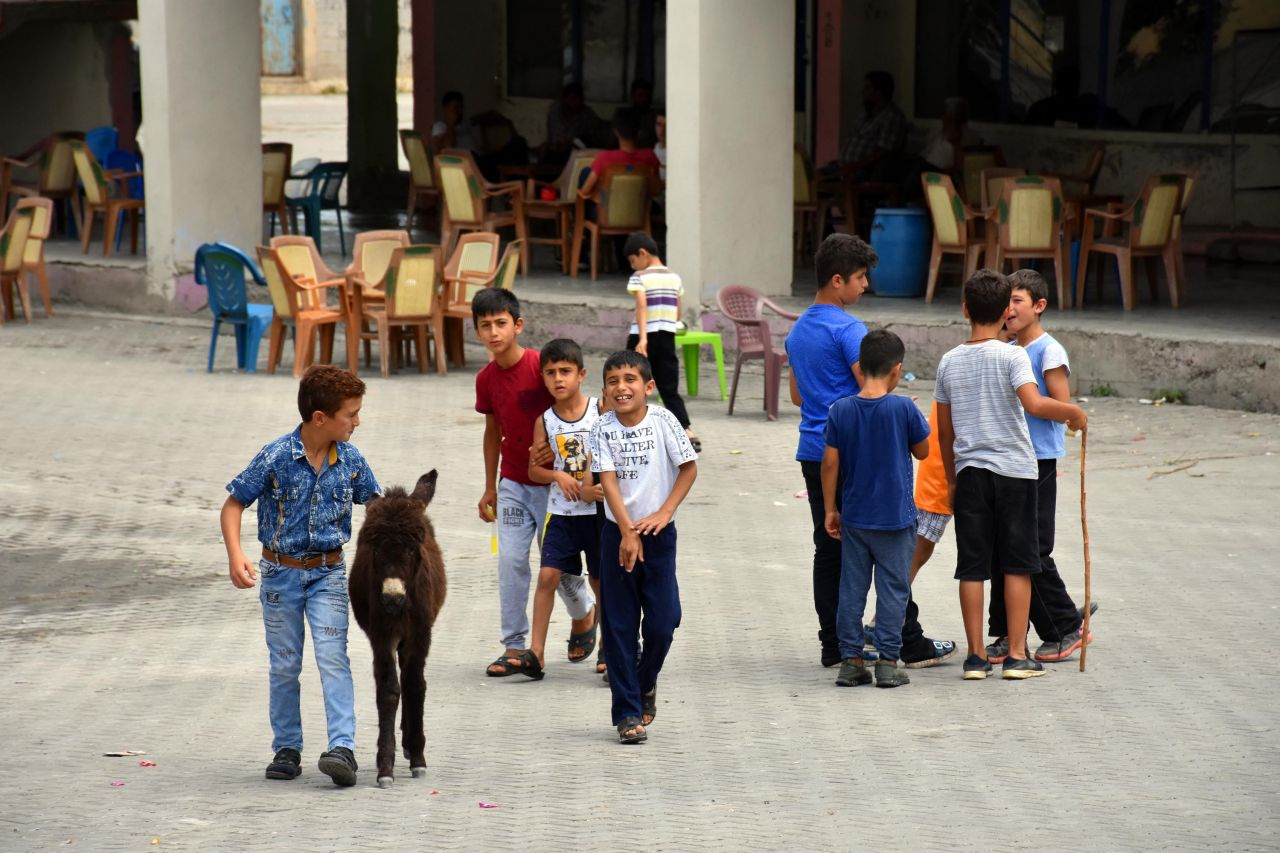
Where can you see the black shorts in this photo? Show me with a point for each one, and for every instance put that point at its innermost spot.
(566, 539)
(995, 519)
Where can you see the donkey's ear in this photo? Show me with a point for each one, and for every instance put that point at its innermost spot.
(426, 488)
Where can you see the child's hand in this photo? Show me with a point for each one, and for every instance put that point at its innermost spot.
(487, 506)
(540, 454)
(643, 347)
(833, 524)
(652, 524)
(1078, 420)
(630, 551)
(569, 485)
(243, 574)
(592, 494)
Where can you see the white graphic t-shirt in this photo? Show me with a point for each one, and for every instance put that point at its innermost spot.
(646, 458)
(569, 442)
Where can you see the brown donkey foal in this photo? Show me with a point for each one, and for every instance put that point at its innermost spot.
(397, 588)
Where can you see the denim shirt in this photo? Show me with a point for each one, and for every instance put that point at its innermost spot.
(301, 512)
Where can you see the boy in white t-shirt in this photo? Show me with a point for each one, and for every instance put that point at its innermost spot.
(646, 466)
(571, 531)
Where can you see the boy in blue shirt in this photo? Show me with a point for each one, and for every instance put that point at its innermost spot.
(870, 439)
(1054, 615)
(305, 483)
(822, 352)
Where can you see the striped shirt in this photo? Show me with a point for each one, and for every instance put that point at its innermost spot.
(662, 291)
(980, 382)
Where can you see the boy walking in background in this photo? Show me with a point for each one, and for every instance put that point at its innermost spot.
(646, 466)
(657, 291)
(983, 387)
(1053, 613)
(870, 439)
(572, 532)
(305, 483)
(511, 395)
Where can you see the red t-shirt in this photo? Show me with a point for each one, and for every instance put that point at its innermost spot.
(643, 156)
(517, 396)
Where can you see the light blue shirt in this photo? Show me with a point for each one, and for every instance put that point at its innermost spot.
(1046, 436)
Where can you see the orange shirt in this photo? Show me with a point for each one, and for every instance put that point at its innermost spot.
(931, 477)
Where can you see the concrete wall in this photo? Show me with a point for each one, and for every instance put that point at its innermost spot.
(322, 44)
(729, 171)
(203, 131)
(56, 79)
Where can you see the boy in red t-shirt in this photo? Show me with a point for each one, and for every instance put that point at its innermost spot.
(626, 127)
(511, 395)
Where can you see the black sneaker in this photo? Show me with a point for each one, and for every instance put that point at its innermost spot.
(339, 765)
(976, 667)
(286, 765)
(936, 651)
(888, 674)
(1017, 669)
(852, 673)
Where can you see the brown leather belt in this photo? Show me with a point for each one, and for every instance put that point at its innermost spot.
(315, 562)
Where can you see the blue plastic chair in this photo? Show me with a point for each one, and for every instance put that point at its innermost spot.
(127, 161)
(102, 141)
(221, 268)
(323, 185)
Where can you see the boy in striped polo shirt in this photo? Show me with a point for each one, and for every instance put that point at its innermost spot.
(653, 332)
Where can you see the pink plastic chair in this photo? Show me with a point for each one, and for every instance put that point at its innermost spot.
(744, 306)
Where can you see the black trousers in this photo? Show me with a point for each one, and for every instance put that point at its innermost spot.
(666, 373)
(1053, 613)
(826, 578)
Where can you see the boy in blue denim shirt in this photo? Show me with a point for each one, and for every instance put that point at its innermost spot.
(305, 483)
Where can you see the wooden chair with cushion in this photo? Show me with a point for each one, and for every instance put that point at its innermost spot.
(277, 161)
(299, 303)
(622, 199)
(954, 228)
(1148, 232)
(1188, 184)
(468, 201)
(991, 179)
(558, 210)
(1028, 217)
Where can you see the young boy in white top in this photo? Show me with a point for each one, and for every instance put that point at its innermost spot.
(646, 466)
(983, 387)
(572, 531)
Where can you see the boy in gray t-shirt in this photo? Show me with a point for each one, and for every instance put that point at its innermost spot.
(983, 387)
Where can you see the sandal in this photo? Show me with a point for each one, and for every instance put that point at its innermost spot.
(649, 704)
(601, 667)
(630, 730)
(584, 640)
(527, 664)
(696, 442)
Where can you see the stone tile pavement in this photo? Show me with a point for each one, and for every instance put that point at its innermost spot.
(120, 631)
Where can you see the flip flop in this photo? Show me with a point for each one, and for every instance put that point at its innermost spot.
(601, 666)
(631, 730)
(585, 640)
(527, 665)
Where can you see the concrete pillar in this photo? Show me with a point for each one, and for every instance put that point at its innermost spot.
(202, 120)
(729, 133)
(424, 65)
(373, 176)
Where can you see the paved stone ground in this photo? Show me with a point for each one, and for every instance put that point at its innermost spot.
(120, 630)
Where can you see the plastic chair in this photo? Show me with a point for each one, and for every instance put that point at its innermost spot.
(623, 198)
(422, 177)
(954, 228)
(127, 162)
(744, 307)
(102, 141)
(299, 177)
(371, 257)
(691, 343)
(411, 290)
(41, 210)
(57, 177)
(1150, 234)
(991, 179)
(810, 208)
(1188, 184)
(107, 192)
(1028, 215)
(472, 265)
(221, 267)
(558, 210)
(468, 197)
(277, 160)
(13, 244)
(299, 302)
(968, 169)
(324, 184)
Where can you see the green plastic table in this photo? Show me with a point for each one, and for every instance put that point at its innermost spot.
(690, 344)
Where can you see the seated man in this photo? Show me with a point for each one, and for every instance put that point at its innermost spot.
(568, 119)
(454, 131)
(879, 137)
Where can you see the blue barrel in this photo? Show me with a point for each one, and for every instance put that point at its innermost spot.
(902, 238)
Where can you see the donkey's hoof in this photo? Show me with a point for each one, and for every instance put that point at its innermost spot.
(418, 772)
(385, 781)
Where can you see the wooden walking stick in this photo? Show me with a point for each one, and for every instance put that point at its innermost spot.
(1084, 527)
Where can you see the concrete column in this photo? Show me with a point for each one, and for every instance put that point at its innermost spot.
(730, 115)
(202, 120)
(424, 65)
(373, 176)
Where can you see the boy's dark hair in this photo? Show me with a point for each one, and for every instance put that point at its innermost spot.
(641, 85)
(561, 349)
(451, 96)
(843, 255)
(324, 388)
(986, 296)
(882, 82)
(1030, 281)
(494, 300)
(638, 240)
(626, 121)
(879, 352)
(628, 358)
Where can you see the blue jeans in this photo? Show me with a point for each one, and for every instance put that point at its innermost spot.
(889, 551)
(320, 595)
